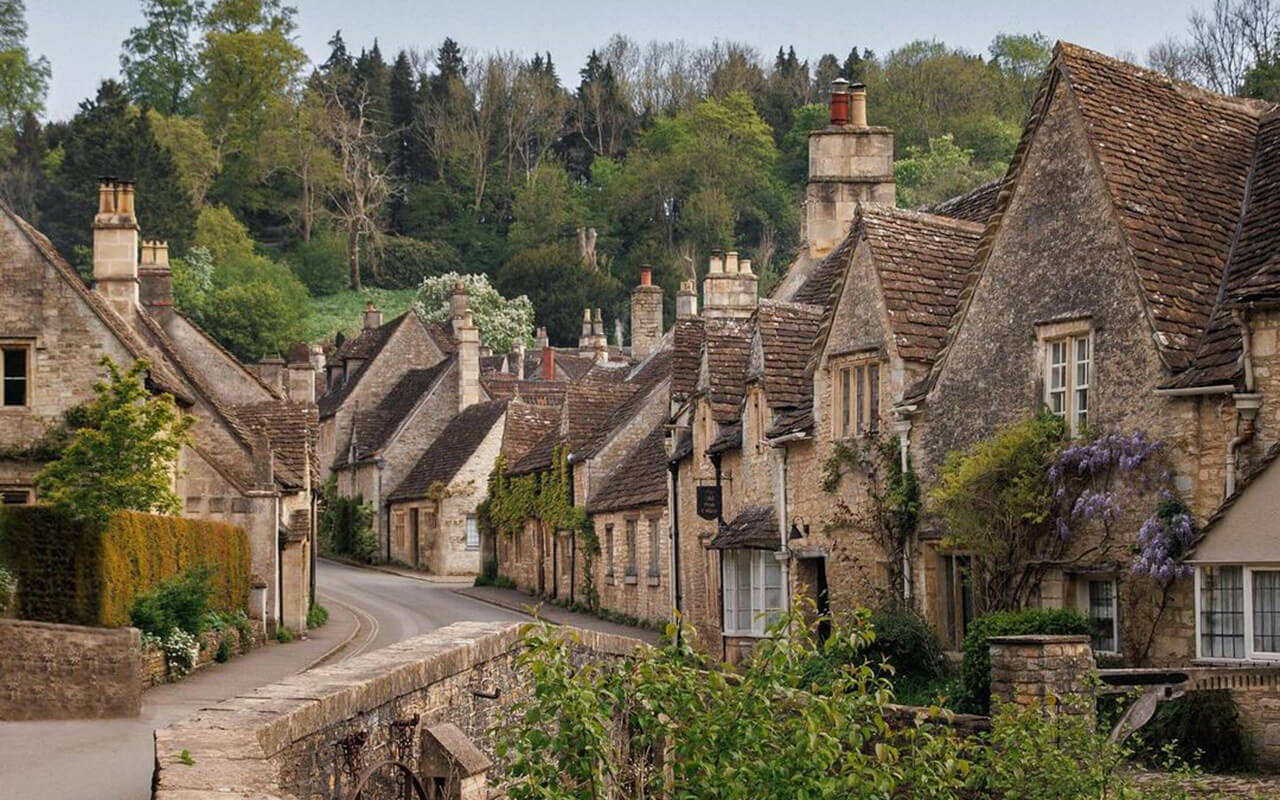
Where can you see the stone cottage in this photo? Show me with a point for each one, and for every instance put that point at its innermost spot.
(251, 461)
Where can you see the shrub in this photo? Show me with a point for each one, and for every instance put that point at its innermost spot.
(244, 629)
(907, 641)
(284, 635)
(345, 526)
(180, 651)
(180, 603)
(317, 616)
(223, 655)
(404, 262)
(1201, 728)
(976, 672)
(321, 264)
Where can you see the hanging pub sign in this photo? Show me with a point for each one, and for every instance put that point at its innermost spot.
(709, 502)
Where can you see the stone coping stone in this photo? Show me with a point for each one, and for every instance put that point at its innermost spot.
(233, 742)
(1033, 638)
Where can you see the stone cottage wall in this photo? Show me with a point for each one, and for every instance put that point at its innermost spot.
(50, 671)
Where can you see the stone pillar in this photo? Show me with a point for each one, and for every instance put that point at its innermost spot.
(115, 246)
(687, 300)
(1029, 669)
(468, 337)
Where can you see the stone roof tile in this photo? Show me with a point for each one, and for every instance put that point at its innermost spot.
(450, 451)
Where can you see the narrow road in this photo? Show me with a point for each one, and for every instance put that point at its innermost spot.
(113, 759)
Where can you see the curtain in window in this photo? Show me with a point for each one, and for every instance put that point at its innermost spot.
(1222, 612)
(1266, 611)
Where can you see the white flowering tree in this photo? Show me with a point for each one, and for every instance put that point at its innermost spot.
(502, 322)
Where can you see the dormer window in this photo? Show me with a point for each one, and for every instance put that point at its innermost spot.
(1068, 372)
(856, 399)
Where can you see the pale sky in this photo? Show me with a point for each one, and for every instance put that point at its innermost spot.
(82, 37)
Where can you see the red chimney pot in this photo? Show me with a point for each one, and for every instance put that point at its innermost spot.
(646, 276)
(548, 363)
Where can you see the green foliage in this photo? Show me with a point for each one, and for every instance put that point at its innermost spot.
(343, 312)
(24, 79)
(180, 603)
(192, 280)
(158, 60)
(345, 526)
(905, 640)
(404, 263)
(943, 170)
(317, 616)
(224, 236)
(185, 758)
(284, 635)
(976, 672)
(559, 286)
(501, 321)
(124, 454)
(253, 320)
(223, 654)
(996, 502)
(1201, 728)
(180, 652)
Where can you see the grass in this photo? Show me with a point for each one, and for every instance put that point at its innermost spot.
(915, 690)
(344, 311)
(317, 616)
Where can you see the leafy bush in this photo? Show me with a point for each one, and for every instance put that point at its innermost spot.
(284, 635)
(501, 321)
(344, 312)
(317, 616)
(223, 654)
(404, 262)
(976, 672)
(180, 603)
(180, 651)
(907, 641)
(345, 526)
(321, 264)
(224, 236)
(1201, 728)
(244, 629)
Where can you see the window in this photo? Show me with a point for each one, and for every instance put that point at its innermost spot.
(15, 370)
(1220, 593)
(956, 596)
(752, 591)
(655, 544)
(1068, 366)
(473, 534)
(858, 400)
(1101, 597)
(1266, 610)
(608, 551)
(15, 496)
(631, 547)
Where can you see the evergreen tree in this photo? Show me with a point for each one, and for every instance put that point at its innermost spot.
(339, 59)
(22, 177)
(407, 163)
(855, 65)
(108, 137)
(158, 60)
(827, 71)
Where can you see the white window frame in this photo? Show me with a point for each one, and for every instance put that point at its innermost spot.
(1250, 652)
(1085, 604)
(473, 532)
(1076, 389)
(762, 615)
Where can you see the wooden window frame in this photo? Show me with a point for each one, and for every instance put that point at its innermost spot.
(28, 378)
(856, 394)
(1075, 391)
(762, 614)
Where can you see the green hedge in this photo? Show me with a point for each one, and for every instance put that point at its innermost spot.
(976, 672)
(71, 572)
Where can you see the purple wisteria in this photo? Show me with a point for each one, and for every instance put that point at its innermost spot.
(1164, 539)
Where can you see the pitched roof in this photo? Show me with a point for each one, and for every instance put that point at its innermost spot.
(787, 333)
(537, 392)
(639, 480)
(1243, 483)
(687, 338)
(451, 450)
(794, 420)
(588, 405)
(644, 378)
(525, 425)
(373, 428)
(974, 205)
(728, 349)
(816, 290)
(366, 348)
(291, 430)
(730, 438)
(753, 528)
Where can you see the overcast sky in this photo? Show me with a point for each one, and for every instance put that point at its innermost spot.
(82, 37)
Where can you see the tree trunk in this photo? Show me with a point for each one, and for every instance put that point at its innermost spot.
(353, 255)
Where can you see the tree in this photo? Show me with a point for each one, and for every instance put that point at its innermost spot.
(943, 171)
(294, 145)
(159, 60)
(502, 322)
(1228, 40)
(1172, 57)
(23, 177)
(108, 136)
(193, 154)
(1023, 58)
(559, 286)
(124, 452)
(23, 80)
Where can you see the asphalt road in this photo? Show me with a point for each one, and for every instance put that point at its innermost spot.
(113, 759)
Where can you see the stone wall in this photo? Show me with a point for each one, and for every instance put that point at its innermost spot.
(1027, 670)
(50, 671)
(304, 736)
(645, 591)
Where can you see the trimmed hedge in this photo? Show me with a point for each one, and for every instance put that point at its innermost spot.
(71, 572)
(976, 672)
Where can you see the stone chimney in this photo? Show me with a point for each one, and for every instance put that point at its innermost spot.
(599, 343)
(540, 339)
(155, 280)
(850, 162)
(271, 371)
(646, 315)
(517, 355)
(687, 300)
(301, 373)
(263, 462)
(730, 289)
(548, 363)
(372, 316)
(468, 337)
(115, 246)
(584, 339)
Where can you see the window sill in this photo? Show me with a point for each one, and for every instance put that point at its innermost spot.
(631, 580)
(608, 580)
(655, 580)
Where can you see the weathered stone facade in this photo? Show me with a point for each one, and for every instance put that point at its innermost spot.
(68, 672)
(1029, 670)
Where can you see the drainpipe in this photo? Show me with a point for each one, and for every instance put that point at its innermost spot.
(674, 514)
(784, 511)
(1247, 402)
(902, 426)
(724, 644)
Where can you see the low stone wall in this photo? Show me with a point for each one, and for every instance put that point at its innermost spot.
(312, 735)
(1256, 691)
(50, 671)
(155, 670)
(1027, 670)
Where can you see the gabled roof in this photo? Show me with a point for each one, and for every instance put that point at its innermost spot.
(816, 290)
(525, 426)
(974, 205)
(639, 480)
(787, 332)
(753, 528)
(728, 349)
(588, 406)
(730, 438)
(643, 379)
(373, 428)
(536, 392)
(451, 450)
(687, 338)
(366, 347)
(291, 430)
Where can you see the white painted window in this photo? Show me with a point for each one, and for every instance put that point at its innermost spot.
(752, 591)
(15, 374)
(473, 534)
(1220, 612)
(1067, 374)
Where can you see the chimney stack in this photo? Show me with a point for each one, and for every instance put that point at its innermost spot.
(517, 354)
(687, 300)
(850, 162)
(548, 363)
(372, 316)
(300, 369)
(271, 371)
(468, 336)
(155, 280)
(584, 340)
(540, 339)
(115, 246)
(599, 344)
(730, 291)
(646, 315)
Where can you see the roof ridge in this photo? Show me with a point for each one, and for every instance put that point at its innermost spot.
(922, 216)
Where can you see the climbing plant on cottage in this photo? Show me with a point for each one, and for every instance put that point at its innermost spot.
(124, 452)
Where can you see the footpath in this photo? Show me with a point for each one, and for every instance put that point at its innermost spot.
(113, 759)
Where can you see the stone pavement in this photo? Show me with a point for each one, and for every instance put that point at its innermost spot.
(516, 600)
